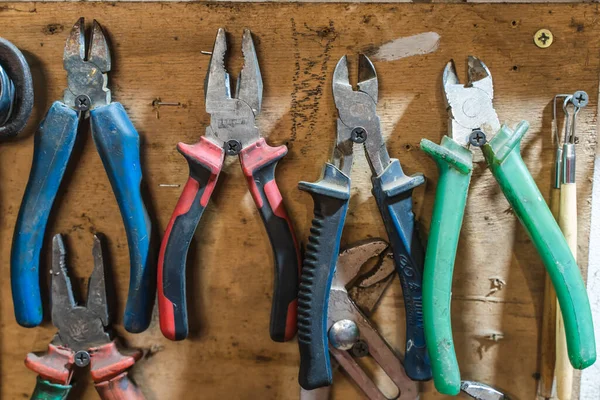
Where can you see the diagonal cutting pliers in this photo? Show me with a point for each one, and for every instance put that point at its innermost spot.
(473, 122)
(117, 142)
(232, 131)
(82, 338)
(358, 122)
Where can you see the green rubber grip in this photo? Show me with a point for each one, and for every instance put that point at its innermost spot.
(503, 156)
(455, 165)
(46, 390)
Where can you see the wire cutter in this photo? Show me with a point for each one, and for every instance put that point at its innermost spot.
(117, 142)
(232, 131)
(82, 337)
(474, 122)
(358, 122)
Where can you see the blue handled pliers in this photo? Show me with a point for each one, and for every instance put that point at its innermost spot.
(358, 123)
(117, 141)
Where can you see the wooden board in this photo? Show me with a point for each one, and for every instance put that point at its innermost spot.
(157, 54)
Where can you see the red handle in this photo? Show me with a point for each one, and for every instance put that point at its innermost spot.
(119, 388)
(258, 163)
(205, 160)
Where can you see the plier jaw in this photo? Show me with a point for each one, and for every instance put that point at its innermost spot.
(470, 109)
(87, 69)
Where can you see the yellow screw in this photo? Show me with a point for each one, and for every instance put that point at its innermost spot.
(543, 38)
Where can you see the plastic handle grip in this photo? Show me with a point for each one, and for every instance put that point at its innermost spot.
(258, 163)
(331, 195)
(205, 160)
(393, 193)
(503, 156)
(46, 390)
(118, 144)
(53, 143)
(455, 166)
(119, 388)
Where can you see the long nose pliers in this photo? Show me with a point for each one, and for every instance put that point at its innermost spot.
(358, 122)
(473, 122)
(117, 142)
(83, 337)
(232, 131)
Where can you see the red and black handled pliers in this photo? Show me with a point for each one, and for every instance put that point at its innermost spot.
(82, 338)
(232, 131)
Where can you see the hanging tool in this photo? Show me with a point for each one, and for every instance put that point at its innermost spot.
(567, 220)
(82, 337)
(232, 131)
(117, 141)
(16, 90)
(358, 122)
(472, 122)
(353, 298)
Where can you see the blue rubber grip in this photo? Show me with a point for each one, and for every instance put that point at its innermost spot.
(118, 144)
(393, 193)
(53, 143)
(331, 195)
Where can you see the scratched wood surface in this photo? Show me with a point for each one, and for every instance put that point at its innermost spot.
(157, 54)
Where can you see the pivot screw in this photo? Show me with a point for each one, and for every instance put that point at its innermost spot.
(82, 358)
(360, 349)
(477, 138)
(343, 334)
(82, 102)
(233, 147)
(358, 135)
(543, 38)
(580, 99)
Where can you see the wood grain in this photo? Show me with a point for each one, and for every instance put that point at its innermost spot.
(157, 54)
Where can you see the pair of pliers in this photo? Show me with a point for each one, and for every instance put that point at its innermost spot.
(352, 300)
(358, 122)
(82, 338)
(232, 131)
(473, 122)
(117, 141)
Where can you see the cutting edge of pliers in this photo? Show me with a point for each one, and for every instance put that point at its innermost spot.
(82, 338)
(472, 120)
(232, 131)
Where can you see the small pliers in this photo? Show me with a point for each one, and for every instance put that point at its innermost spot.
(358, 122)
(117, 141)
(82, 338)
(232, 131)
(473, 121)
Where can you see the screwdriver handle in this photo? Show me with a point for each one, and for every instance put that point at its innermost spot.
(455, 167)
(118, 144)
(46, 390)
(205, 160)
(503, 156)
(331, 195)
(258, 164)
(53, 144)
(119, 388)
(393, 193)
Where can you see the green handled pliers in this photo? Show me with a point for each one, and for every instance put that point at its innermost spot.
(474, 122)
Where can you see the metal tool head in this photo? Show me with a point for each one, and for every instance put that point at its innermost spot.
(233, 118)
(481, 391)
(358, 121)
(87, 68)
(471, 113)
(79, 327)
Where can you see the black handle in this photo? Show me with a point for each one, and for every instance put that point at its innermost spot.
(331, 195)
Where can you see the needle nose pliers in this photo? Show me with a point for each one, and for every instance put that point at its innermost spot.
(232, 131)
(473, 122)
(82, 338)
(358, 122)
(117, 141)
